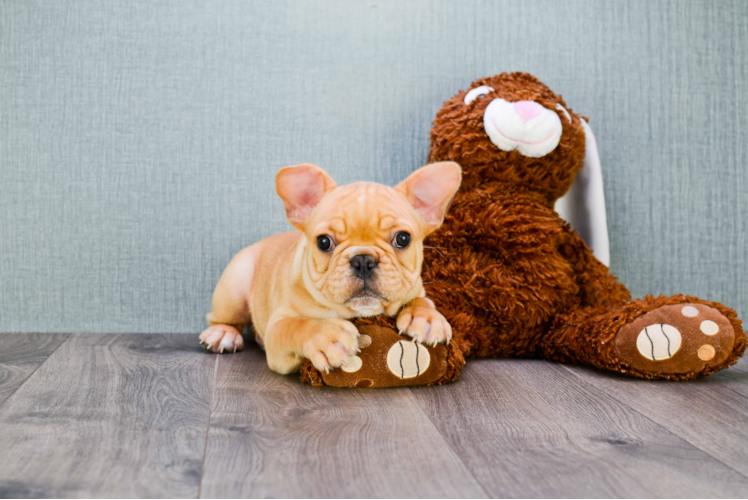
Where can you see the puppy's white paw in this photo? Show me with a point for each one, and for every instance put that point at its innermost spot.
(425, 325)
(222, 338)
(333, 346)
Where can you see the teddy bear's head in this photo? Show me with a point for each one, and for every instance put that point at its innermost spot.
(511, 129)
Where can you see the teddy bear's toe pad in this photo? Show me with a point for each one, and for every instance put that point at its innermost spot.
(678, 338)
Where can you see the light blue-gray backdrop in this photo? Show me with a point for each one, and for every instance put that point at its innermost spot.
(139, 140)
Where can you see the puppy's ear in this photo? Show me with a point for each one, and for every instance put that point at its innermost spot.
(430, 190)
(301, 188)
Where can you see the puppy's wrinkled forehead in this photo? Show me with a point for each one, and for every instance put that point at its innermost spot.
(364, 211)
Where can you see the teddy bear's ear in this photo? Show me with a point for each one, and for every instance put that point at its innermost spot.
(583, 206)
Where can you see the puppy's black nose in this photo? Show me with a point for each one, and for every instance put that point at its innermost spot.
(363, 266)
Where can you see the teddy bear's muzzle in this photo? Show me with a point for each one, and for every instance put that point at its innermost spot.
(524, 126)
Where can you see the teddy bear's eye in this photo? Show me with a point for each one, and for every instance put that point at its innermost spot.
(563, 110)
(477, 92)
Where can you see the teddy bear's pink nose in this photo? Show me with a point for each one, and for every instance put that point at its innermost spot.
(527, 110)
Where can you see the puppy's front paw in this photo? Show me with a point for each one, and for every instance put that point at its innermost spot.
(425, 325)
(335, 345)
(222, 338)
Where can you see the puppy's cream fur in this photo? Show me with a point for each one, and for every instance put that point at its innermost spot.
(300, 298)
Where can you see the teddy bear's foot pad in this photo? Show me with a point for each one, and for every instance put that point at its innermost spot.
(389, 360)
(677, 339)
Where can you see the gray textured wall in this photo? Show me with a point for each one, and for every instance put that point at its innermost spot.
(138, 140)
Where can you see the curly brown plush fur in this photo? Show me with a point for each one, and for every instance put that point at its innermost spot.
(514, 279)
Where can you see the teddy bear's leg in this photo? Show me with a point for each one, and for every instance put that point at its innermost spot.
(675, 338)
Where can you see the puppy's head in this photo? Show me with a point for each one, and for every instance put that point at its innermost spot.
(364, 241)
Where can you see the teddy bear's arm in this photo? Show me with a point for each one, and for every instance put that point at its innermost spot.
(598, 287)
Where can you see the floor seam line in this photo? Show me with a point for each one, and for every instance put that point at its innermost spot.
(448, 444)
(68, 335)
(669, 431)
(736, 392)
(207, 431)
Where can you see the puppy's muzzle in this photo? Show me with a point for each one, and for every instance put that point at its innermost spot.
(363, 266)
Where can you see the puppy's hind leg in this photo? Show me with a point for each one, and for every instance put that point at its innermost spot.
(231, 304)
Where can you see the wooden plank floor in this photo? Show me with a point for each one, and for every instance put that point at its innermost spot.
(21, 355)
(157, 416)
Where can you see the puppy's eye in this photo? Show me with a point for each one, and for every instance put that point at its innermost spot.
(477, 92)
(325, 243)
(401, 240)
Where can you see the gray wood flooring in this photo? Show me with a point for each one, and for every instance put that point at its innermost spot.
(158, 416)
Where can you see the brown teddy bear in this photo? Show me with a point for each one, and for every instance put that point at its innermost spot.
(515, 280)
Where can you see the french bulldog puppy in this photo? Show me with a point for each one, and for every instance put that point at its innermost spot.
(357, 251)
